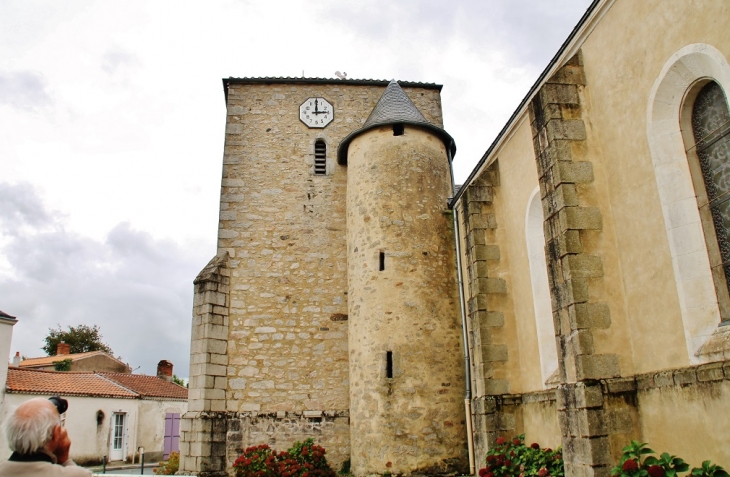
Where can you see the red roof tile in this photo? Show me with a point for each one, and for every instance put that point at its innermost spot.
(148, 386)
(33, 381)
(49, 360)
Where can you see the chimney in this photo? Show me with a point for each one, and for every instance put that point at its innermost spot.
(63, 348)
(164, 370)
(16, 359)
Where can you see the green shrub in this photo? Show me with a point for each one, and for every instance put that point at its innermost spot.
(514, 458)
(636, 461)
(169, 467)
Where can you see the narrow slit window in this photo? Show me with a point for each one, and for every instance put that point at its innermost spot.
(320, 158)
(398, 130)
(389, 364)
(382, 261)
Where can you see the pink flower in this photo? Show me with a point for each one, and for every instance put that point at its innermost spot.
(542, 472)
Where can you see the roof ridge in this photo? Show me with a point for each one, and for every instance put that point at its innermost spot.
(394, 105)
(117, 384)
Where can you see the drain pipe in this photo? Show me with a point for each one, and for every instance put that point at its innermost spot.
(465, 336)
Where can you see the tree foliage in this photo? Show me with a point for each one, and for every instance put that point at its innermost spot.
(81, 338)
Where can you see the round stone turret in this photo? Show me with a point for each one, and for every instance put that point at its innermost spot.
(406, 359)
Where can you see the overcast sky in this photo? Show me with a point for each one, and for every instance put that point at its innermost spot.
(112, 124)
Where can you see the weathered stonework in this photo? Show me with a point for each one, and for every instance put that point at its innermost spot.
(270, 361)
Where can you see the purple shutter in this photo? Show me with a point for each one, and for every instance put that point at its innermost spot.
(168, 434)
(175, 433)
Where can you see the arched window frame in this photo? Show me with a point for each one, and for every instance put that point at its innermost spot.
(668, 99)
(317, 166)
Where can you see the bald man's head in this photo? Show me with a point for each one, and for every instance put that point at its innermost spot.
(30, 427)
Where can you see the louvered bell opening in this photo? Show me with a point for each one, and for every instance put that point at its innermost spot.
(320, 158)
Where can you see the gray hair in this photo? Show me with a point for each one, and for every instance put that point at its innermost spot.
(30, 426)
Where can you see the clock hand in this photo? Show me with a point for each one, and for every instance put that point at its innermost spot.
(316, 105)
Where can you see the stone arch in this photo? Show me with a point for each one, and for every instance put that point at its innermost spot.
(671, 93)
(535, 237)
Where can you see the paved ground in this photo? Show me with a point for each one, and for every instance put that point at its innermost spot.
(125, 470)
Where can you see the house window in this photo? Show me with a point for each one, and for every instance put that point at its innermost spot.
(711, 129)
(320, 158)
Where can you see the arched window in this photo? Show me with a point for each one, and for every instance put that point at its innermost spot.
(320, 158)
(540, 289)
(711, 130)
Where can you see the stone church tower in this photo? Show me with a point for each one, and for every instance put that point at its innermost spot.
(330, 310)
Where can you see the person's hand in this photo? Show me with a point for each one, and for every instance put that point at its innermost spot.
(60, 444)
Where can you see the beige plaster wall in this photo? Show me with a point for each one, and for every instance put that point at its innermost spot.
(397, 194)
(623, 57)
(518, 180)
(285, 231)
(151, 427)
(691, 422)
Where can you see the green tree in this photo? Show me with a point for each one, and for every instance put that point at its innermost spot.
(178, 381)
(63, 365)
(81, 338)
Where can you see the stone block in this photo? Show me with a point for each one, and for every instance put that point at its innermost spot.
(579, 342)
(582, 266)
(216, 346)
(479, 269)
(621, 385)
(597, 366)
(710, 372)
(475, 237)
(569, 172)
(685, 376)
(570, 129)
(580, 218)
(645, 381)
(576, 291)
(476, 193)
(477, 303)
(591, 422)
(494, 352)
(557, 93)
(493, 285)
(479, 221)
(589, 316)
(494, 319)
(565, 195)
(496, 387)
(664, 378)
(578, 396)
(569, 74)
(619, 421)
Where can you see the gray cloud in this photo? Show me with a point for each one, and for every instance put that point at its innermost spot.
(136, 288)
(20, 206)
(23, 90)
(530, 31)
(116, 58)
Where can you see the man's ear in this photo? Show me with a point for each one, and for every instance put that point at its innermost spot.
(55, 436)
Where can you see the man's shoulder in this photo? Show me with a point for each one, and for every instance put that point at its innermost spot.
(41, 469)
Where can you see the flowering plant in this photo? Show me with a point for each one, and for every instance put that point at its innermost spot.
(513, 458)
(636, 461)
(303, 459)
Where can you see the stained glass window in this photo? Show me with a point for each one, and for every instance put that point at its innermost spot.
(711, 128)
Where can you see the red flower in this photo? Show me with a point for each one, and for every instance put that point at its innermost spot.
(656, 471)
(483, 472)
(542, 472)
(501, 440)
(491, 458)
(516, 442)
(508, 463)
(630, 466)
(535, 445)
(489, 474)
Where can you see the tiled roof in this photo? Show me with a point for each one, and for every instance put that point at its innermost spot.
(148, 386)
(49, 360)
(395, 107)
(302, 80)
(33, 381)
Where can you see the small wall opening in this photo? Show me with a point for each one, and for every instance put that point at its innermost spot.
(320, 158)
(398, 129)
(382, 261)
(389, 364)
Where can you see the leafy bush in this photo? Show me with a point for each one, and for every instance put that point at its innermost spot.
(514, 458)
(170, 466)
(636, 461)
(303, 459)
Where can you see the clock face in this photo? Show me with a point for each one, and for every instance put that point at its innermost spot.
(316, 112)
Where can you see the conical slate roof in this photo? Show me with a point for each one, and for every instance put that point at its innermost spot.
(394, 107)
